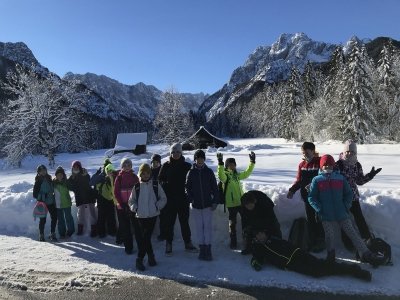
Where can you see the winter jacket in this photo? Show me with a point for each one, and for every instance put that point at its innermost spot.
(331, 196)
(201, 187)
(79, 184)
(43, 189)
(262, 218)
(105, 189)
(354, 175)
(123, 186)
(61, 193)
(98, 177)
(172, 177)
(234, 190)
(148, 205)
(306, 171)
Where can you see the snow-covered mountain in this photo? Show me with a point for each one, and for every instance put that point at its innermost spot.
(268, 64)
(139, 99)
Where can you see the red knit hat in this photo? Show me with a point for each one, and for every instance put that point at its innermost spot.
(326, 160)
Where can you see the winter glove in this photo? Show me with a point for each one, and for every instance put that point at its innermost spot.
(256, 264)
(307, 188)
(220, 158)
(214, 206)
(373, 172)
(290, 195)
(252, 156)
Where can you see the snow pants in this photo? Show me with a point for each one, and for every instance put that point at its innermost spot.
(203, 219)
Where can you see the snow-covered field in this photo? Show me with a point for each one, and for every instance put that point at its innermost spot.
(83, 262)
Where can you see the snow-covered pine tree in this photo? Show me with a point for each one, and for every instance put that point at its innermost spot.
(356, 102)
(172, 124)
(42, 116)
(291, 106)
(389, 95)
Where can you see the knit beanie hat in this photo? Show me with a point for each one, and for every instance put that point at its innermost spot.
(40, 168)
(350, 145)
(177, 147)
(230, 160)
(308, 146)
(76, 163)
(326, 160)
(144, 168)
(125, 161)
(60, 170)
(199, 154)
(109, 168)
(156, 157)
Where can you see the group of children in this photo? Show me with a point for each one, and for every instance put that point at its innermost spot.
(328, 188)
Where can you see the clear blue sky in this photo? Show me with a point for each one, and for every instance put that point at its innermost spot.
(191, 45)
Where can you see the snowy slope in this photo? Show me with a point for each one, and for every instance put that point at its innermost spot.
(82, 262)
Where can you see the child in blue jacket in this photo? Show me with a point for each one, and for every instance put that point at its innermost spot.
(331, 197)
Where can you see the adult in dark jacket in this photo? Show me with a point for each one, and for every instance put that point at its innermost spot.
(85, 198)
(43, 191)
(307, 170)
(258, 216)
(172, 178)
(202, 192)
(267, 245)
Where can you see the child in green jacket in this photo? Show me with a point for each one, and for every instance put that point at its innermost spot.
(233, 191)
(66, 225)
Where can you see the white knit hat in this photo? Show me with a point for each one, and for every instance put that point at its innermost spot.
(350, 145)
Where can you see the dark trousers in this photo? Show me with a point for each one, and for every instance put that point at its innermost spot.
(53, 216)
(143, 236)
(127, 227)
(106, 222)
(315, 229)
(182, 211)
(362, 226)
(233, 212)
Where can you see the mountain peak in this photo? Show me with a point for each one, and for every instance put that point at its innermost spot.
(18, 52)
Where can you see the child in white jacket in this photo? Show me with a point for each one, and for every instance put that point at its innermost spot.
(146, 201)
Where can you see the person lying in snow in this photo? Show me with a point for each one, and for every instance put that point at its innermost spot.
(268, 246)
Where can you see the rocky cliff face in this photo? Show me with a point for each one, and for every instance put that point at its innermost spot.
(267, 64)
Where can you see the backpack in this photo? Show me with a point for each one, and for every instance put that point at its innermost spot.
(379, 246)
(299, 235)
(40, 210)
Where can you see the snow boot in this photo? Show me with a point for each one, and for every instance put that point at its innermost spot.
(52, 237)
(168, 249)
(208, 254)
(190, 248)
(374, 259)
(80, 229)
(151, 260)
(202, 253)
(233, 243)
(331, 256)
(139, 264)
(41, 237)
(93, 231)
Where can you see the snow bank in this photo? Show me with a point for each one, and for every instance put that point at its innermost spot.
(82, 262)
